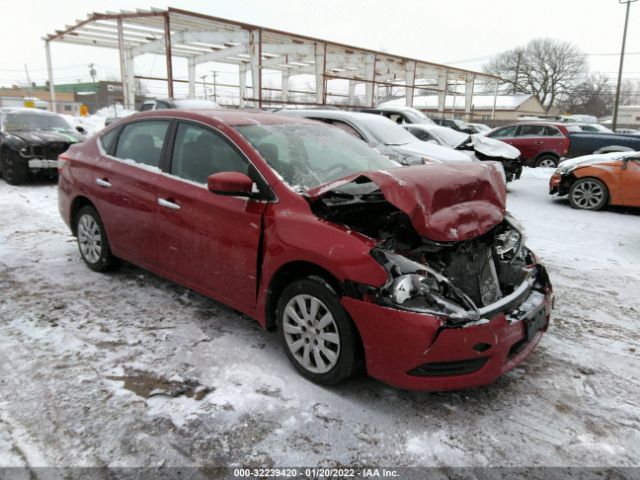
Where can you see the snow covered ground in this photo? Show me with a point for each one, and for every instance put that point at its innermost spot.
(80, 352)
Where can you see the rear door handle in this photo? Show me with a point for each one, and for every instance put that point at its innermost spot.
(168, 204)
(103, 182)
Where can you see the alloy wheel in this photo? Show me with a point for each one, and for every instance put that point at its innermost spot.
(547, 163)
(311, 333)
(588, 195)
(89, 238)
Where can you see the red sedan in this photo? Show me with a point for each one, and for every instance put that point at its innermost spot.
(414, 272)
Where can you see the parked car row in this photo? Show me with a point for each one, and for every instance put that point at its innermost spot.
(415, 273)
(545, 144)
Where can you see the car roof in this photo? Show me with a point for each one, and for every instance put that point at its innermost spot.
(230, 117)
(334, 114)
(535, 123)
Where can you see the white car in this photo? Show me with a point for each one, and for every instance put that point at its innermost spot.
(476, 146)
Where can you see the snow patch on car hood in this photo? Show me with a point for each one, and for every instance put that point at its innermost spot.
(588, 160)
(432, 151)
(445, 202)
(494, 148)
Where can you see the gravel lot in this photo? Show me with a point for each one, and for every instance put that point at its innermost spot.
(128, 369)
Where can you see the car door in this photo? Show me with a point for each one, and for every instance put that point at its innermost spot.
(207, 241)
(126, 192)
(529, 139)
(630, 183)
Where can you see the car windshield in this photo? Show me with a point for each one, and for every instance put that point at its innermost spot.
(20, 121)
(417, 116)
(450, 136)
(385, 131)
(307, 156)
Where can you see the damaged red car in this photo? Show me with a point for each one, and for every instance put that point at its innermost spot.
(415, 273)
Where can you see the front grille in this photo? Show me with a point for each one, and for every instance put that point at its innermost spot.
(52, 150)
(441, 369)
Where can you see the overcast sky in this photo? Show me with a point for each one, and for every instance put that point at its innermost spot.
(464, 33)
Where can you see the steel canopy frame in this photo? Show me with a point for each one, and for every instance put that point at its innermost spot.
(203, 38)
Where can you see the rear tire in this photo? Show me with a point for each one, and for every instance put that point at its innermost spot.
(588, 194)
(92, 240)
(15, 170)
(317, 333)
(547, 161)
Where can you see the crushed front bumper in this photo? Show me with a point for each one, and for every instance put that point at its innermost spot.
(417, 351)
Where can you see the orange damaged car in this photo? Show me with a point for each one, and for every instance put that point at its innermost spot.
(593, 181)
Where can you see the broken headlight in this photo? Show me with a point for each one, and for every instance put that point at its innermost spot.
(510, 241)
(419, 288)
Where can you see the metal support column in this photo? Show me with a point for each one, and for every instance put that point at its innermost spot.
(442, 92)
(469, 82)
(255, 58)
(495, 100)
(410, 80)
(123, 64)
(52, 88)
(167, 51)
(242, 84)
(352, 92)
(191, 66)
(284, 86)
(370, 76)
(320, 61)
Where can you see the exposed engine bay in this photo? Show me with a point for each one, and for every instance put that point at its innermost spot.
(464, 281)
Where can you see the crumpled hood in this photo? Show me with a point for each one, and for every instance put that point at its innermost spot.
(445, 202)
(43, 137)
(432, 151)
(494, 148)
(588, 160)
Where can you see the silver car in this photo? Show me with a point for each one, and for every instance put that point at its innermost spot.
(387, 137)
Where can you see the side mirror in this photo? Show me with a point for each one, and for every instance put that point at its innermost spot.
(230, 183)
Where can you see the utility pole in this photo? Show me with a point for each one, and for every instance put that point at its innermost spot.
(624, 41)
(515, 80)
(215, 91)
(28, 81)
(204, 85)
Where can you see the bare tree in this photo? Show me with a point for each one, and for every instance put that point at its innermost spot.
(545, 67)
(630, 92)
(593, 96)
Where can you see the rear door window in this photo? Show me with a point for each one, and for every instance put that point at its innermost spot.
(143, 142)
(532, 131)
(552, 132)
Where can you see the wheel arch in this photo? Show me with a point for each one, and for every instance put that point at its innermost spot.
(547, 154)
(288, 273)
(76, 205)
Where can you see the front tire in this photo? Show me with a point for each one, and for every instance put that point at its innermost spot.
(588, 194)
(15, 170)
(547, 161)
(92, 240)
(317, 333)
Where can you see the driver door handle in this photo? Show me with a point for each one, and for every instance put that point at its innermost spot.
(168, 204)
(103, 182)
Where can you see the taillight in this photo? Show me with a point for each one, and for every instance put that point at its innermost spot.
(62, 161)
